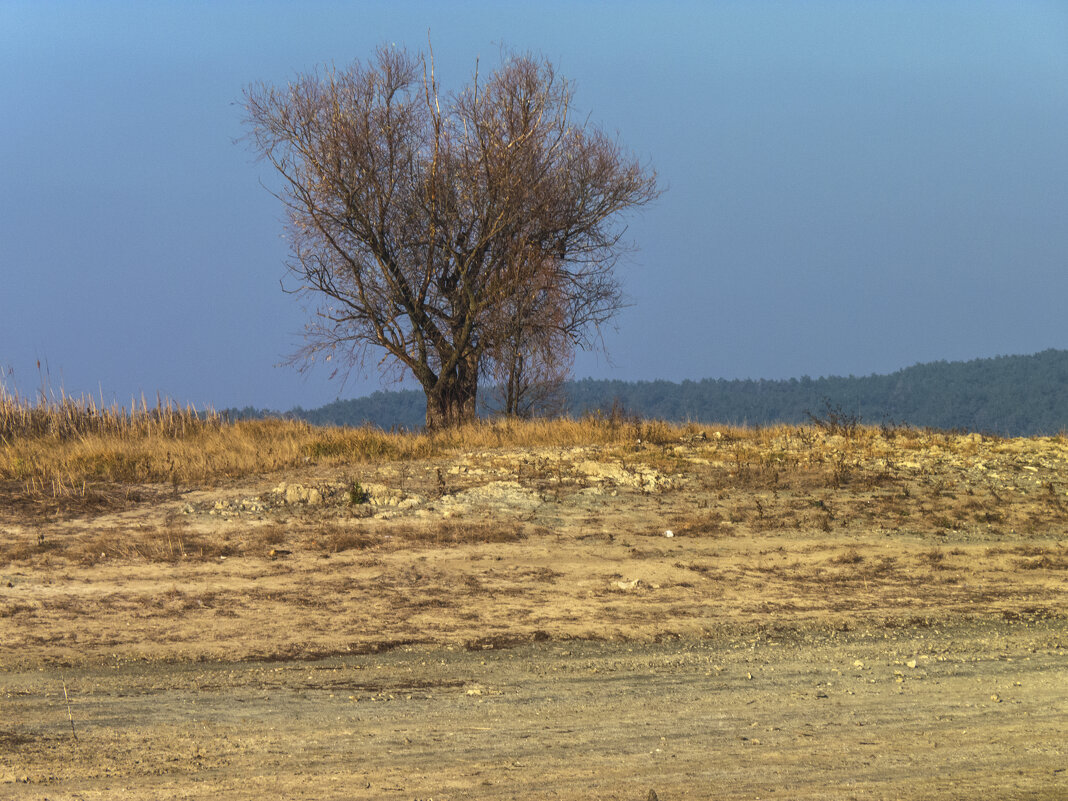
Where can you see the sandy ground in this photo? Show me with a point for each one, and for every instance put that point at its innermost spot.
(827, 620)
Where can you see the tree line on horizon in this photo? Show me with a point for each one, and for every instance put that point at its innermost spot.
(1005, 395)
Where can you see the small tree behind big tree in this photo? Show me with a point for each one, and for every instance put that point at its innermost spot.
(463, 235)
(530, 359)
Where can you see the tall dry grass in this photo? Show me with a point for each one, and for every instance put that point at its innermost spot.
(60, 446)
(64, 417)
(56, 447)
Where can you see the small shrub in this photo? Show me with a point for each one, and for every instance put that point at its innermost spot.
(358, 495)
(834, 420)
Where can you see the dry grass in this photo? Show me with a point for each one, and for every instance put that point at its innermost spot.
(69, 457)
(176, 541)
(173, 542)
(65, 447)
(65, 418)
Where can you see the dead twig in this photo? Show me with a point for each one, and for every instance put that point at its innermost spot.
(70, 716)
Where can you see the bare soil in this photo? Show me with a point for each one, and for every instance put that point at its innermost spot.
(863, 617)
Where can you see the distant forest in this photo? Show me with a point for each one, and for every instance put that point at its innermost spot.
(1007, 395)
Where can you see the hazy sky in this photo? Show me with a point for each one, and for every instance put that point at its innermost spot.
(852, 187)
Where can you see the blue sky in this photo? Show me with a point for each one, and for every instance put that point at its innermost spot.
(852, 187)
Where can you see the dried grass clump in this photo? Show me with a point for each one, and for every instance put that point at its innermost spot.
(850, 557)
(708, 524)
(332, 538)
(460, 533)
(168, 544)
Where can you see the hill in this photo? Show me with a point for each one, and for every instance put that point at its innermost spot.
(503, 610)
(1006, 395)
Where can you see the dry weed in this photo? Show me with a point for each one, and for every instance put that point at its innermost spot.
(450, 532)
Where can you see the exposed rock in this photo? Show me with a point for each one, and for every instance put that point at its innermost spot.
(644, 478)
(496, 494)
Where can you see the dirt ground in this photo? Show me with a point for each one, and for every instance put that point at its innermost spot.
(805, 616)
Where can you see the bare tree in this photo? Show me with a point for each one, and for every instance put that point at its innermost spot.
(425, 224)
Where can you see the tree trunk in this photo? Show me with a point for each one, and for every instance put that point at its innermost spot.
(452, 401)
(450, 407)
(515, 377)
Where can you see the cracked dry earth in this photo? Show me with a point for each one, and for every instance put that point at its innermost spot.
(868, 617)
